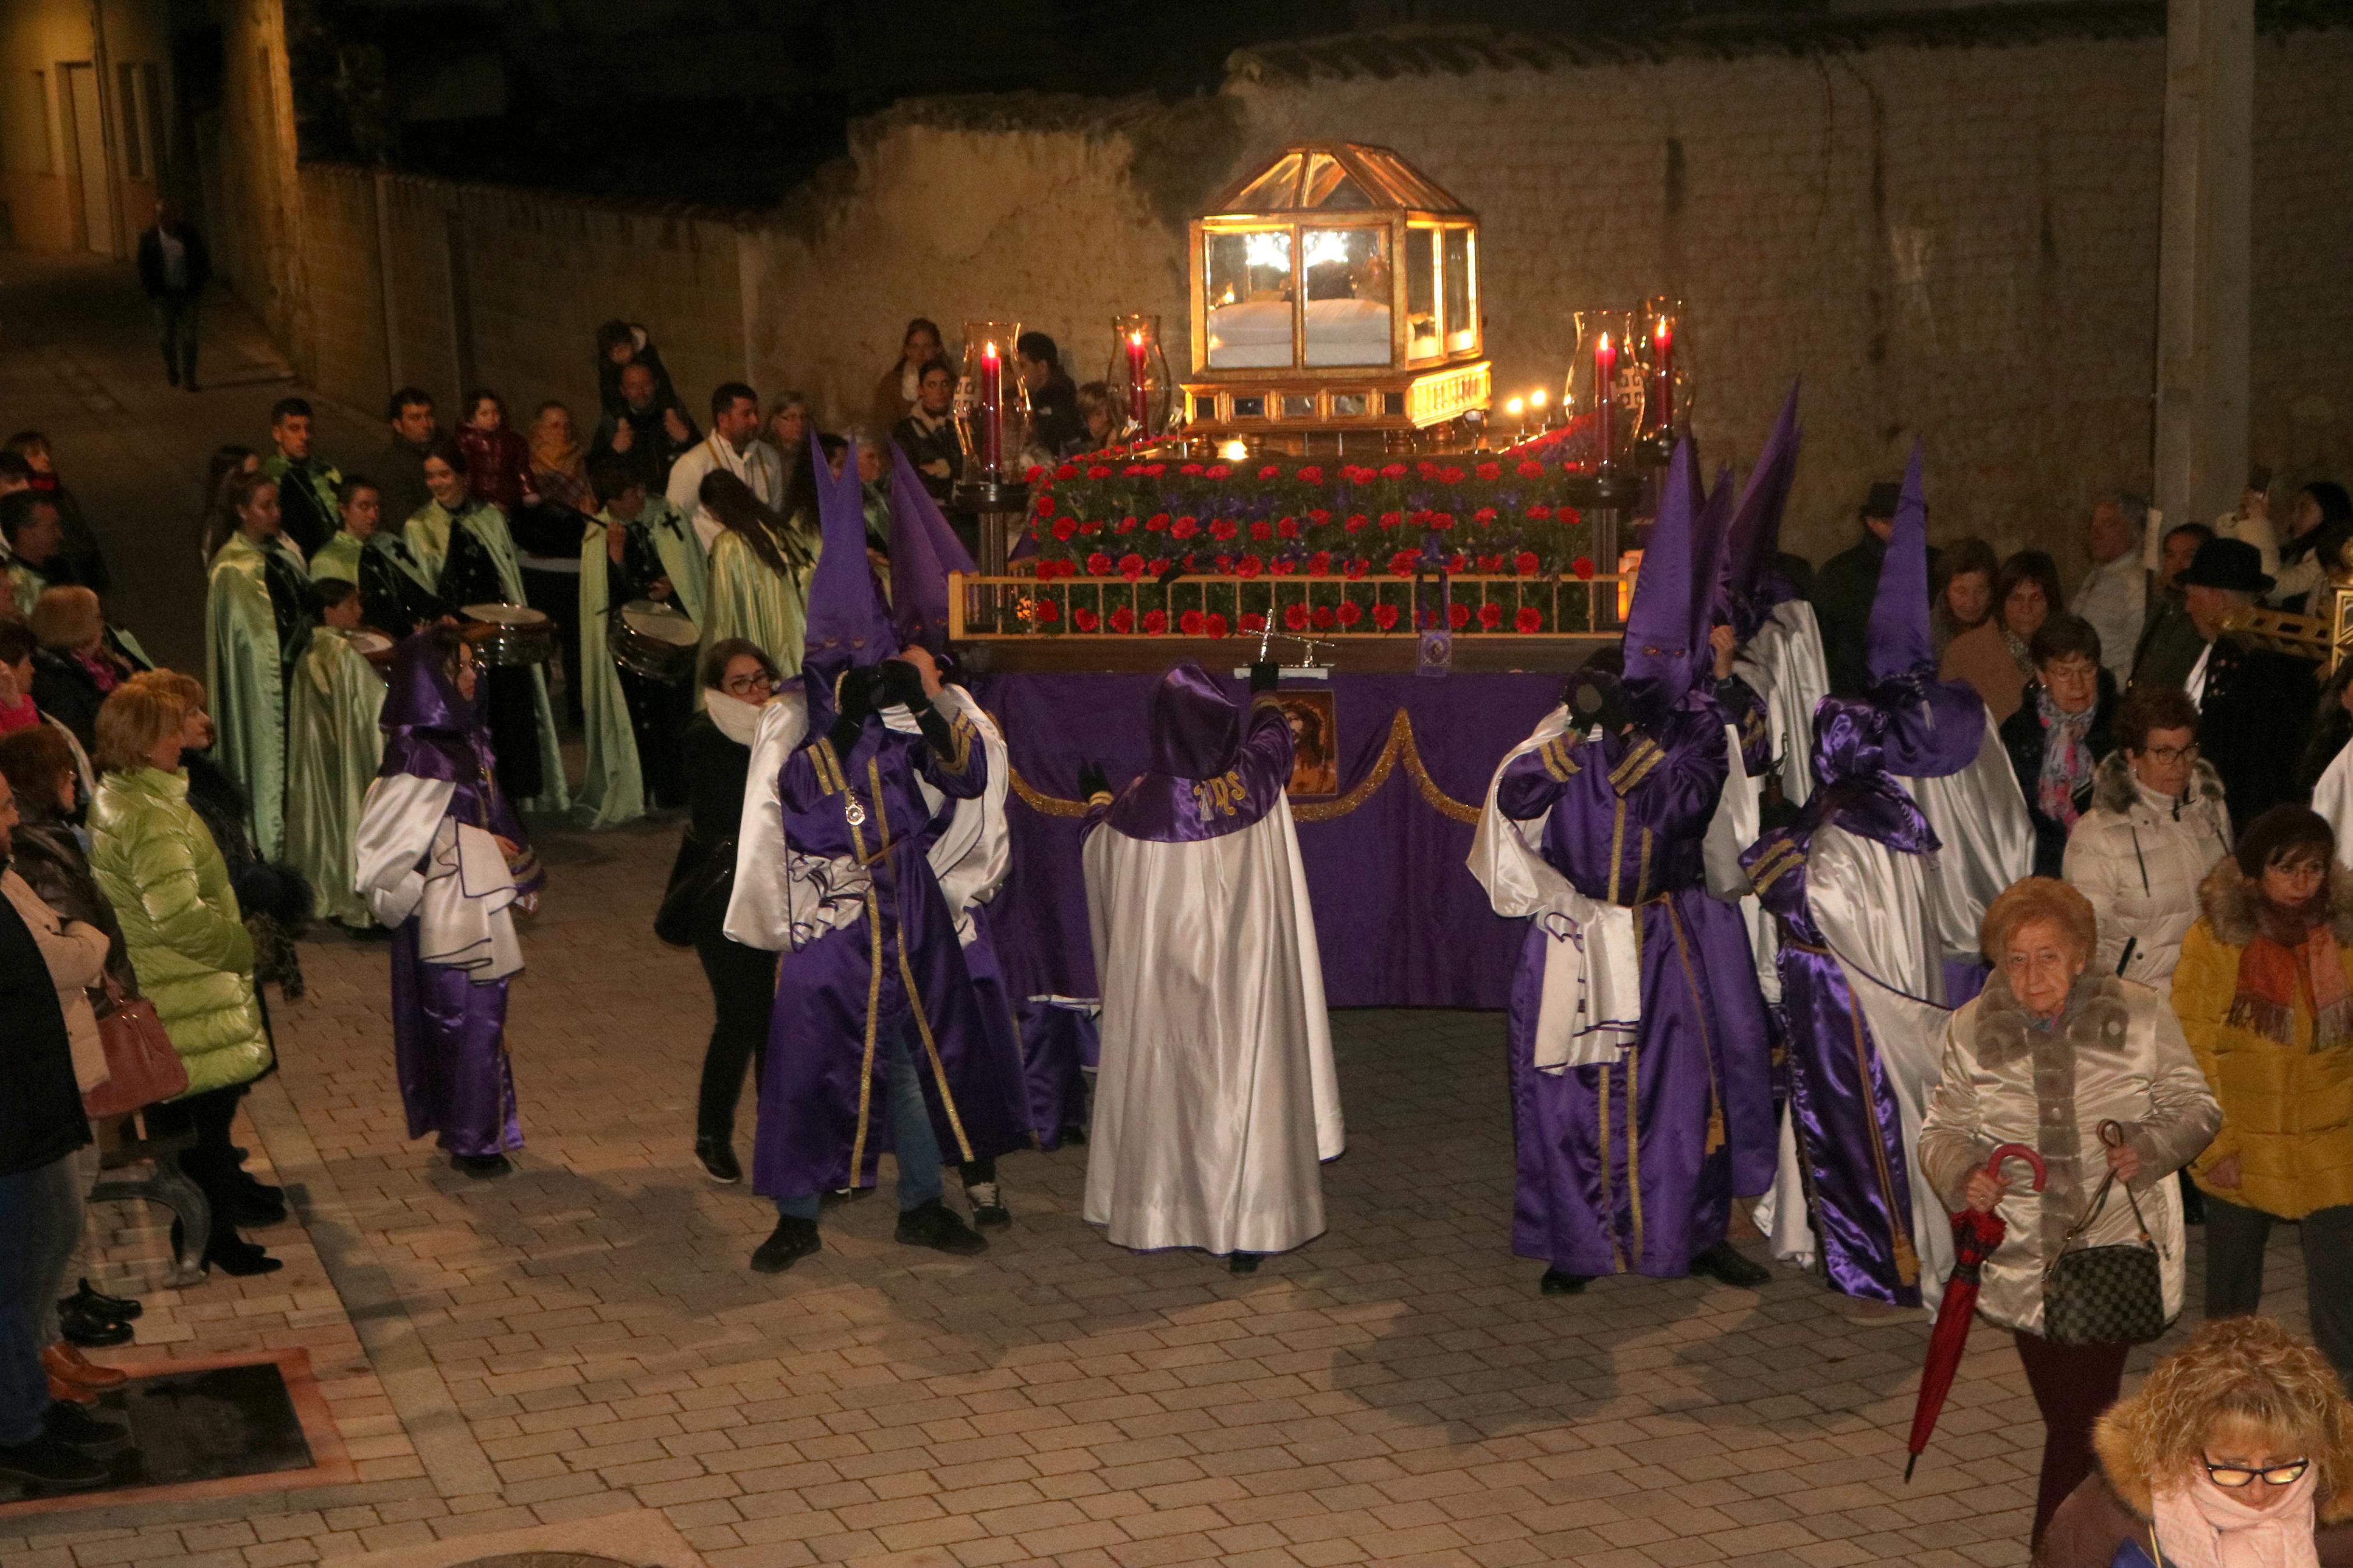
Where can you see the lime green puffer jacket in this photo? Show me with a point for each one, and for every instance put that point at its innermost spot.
(158, 866)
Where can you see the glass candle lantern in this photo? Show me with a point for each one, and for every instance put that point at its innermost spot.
(1137, 379)
(992, 410)
(1662, 344)
(1605, 381)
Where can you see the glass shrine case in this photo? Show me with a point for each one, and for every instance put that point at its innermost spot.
(1333, 292)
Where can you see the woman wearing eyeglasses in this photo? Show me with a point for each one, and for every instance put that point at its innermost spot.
(2236, 1453)
(2157, 825)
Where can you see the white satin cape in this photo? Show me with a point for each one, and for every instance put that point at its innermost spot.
(974, 855)
(1216, 1094)
(411, 857)
(1783, 662)
(1981, 818)
(2332, 797)
(1738, 823)
(1872, 906)
(1591, 1007)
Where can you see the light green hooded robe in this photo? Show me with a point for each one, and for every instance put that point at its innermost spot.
(332, 751)
(243, 679)
(614, 791)
(749, 599)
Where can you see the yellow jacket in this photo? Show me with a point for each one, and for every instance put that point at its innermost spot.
(2288, 1110)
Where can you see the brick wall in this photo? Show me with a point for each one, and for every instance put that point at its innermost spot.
(1953, 243)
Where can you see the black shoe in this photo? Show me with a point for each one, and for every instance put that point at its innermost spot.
(793, 1239)
(122, 1309)
(1244, 1262)
(46, 1465)
(1559, 1283)
(1075, 1136)
(260, 1191)
(233, 1255)
(718, 1159)
(987, 1205)
(931, 1224)
(482, 1167)
(1724, 1263)
(90, 1330)
(235, 1206)
(77, 1428)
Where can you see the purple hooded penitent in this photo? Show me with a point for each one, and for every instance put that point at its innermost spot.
(1207, 778)
(1934, 728)
(846, 626)
(924, 550)
(1667, 624)
(1755, 533)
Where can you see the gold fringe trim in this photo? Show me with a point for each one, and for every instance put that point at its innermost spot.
(1400, 750)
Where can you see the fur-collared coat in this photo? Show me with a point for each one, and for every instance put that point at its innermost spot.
(2117, 1504)
(2116, 1054)
(2288, 1107)
(2139, 859)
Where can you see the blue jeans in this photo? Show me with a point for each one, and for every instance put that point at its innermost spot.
(912, 1138)
(40, 1221)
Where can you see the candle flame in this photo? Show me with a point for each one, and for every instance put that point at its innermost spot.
(1664, 330)
(1537, 397)
(1604, 347)
(1135, 338)
(989, 349)
(1512, 407)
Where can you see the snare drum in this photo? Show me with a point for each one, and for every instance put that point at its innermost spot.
(654, 641)
(509, 634)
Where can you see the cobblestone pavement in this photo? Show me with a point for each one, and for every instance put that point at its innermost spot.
(580, 1347)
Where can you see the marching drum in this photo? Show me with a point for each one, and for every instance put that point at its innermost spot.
(654, 641)
(509, 634)
(375, 647)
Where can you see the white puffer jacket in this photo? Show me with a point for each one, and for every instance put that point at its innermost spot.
(2139, 856)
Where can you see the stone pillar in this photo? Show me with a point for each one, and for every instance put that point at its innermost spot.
(2202, 291)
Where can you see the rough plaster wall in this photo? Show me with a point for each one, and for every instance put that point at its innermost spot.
(2303, 327)
(260, 198)
(339, 227)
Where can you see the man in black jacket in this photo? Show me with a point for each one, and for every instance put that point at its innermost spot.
(174, 267)
(41, 1126)
(2253, 706)
(1845, 588)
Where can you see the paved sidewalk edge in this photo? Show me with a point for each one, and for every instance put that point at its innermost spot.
(405, 1368)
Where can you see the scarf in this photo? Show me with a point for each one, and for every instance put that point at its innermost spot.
(103, 671)
(2203, 1525)
(561, 473)
(2293, 963)
(2019, 653)
(738, 720)
(2067, 757)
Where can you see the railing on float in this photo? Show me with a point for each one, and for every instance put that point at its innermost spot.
(986, 607)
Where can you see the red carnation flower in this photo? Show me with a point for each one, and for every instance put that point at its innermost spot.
(1294, 617)
(1253, 622)
(1283, 567)
(1525, 564)
(1394, 470)
(1085, 619)
(1092, 528)
(1311, 475)
(1441, 520)
(1131, 566)
(1154, 470)
(1318, 516)
(1404, 562)
(1123, 620)
(1190, 623)
(1582, 566)
(1216, 471)
(1426, 469)
(1098, 564)
(1133, 471)
(1126, 525)
(1530, 471)
(1216, 627)
(1066, 472)
(1530, 619)
(1045, 570)
(1355, 524)
(1392, 520)
(1458, 562)
(1539, 512)
(1045, 507)
(1183, 528)
(1097, 472)
(1156, 623)
(1036, 471)
(1490, 616)
(1490, 470)
(1288, 527)
(1224, 528)
(1224, 563)
(1191, 470)
(1065, 526)
(1320, 564)
(1570, 515)
(1349, 613)
(1046, 612)
(1359, 566)
(1449, 475)
(1270, 472)
(1385, 616)
(1491, 564)
(1484, 516)
(1249, 566)
(1156, 523)
(1262, 530)
(1322, 617)
(1458, 615)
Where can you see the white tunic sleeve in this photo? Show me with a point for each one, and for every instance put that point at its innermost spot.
(398, 824)
(974, 856)
(2332, 797)
(759, 911)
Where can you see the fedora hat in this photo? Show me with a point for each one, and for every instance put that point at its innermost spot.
(2231, 564)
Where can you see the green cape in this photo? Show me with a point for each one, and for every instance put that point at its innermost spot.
(614, 791)
(748, 600)
(338, 557)
(242, 675)
(333, 747)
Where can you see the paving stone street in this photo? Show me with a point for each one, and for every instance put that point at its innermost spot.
(577, 1356)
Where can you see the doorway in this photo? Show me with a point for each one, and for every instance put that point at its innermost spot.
(86, 139)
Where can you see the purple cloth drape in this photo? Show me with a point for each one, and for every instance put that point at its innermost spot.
(1398, 919)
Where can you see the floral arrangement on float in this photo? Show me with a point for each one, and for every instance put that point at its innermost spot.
(1134, 543)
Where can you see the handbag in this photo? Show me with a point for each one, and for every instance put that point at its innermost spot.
(680, 919)
(141, 1067)
(2104, 1295)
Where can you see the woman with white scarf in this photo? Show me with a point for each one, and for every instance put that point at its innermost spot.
(2236, 1453)
(2061, 733)
(738, 681)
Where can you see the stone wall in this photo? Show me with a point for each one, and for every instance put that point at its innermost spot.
(1955, 243)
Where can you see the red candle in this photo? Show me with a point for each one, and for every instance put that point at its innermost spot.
(1604, 393)
(992, 411)
(1663, 360)
(1138, 407)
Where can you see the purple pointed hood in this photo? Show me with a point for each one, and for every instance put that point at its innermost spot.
(1664, 626)
(1197, 729)
(1755, 536)
(1712, 545)
(1934, 727)
(924, 550)
(419, 694)
(846, 626)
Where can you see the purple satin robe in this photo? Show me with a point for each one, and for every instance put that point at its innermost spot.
(822, 1121)
(449, 1030)
(1632, 1168)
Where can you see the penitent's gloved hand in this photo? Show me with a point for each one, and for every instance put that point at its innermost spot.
(1093, 781)
(903, 683)
(1265, 677)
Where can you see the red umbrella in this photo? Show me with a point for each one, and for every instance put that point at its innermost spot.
(1975, 1236)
